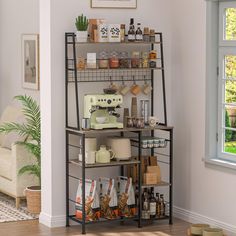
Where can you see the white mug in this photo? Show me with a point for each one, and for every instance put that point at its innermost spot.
(152, 121)
(90, 157)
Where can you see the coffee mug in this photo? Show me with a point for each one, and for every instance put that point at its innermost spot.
(124, 90)
(85, 123)
(135, 89)
(90, 157)
(152, 121)
(147, 88)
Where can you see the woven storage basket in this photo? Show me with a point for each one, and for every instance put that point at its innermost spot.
(33, 197)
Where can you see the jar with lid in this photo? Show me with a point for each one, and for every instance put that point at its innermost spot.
(135, 60)
(124, 60)
(103, 60)
(114, 60)
(146, 34)
(145, 59)
(152, 36)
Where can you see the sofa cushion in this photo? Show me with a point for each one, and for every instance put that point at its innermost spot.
(6, 163)
(11, 114)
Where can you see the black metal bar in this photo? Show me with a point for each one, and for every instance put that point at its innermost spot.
(83, 186)
(67, 180)
(163, 80)
(171, 179)
(66, 77)
(76, 85)
(139, 182)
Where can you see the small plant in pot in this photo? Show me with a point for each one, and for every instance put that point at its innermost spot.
(30, 130)
(81, 23)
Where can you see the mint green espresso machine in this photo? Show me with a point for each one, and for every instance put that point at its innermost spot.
(101, 110)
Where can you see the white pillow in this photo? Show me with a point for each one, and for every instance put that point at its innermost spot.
(11, 114)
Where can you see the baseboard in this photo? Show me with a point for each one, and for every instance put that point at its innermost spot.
(193, 217)
(52, 221)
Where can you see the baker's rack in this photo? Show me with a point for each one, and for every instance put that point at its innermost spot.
(75, 77)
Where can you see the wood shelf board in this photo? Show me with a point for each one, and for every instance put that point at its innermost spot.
(104, 131)
(110, 164)
(161, 184)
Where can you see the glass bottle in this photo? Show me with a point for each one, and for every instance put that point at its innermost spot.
(146, 202)
(139, 33)
(158, 208)
(131, 32)
(145, 60)
(162, 205)
(153, 204)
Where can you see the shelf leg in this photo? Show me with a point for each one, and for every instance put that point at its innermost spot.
(171, 178)
(139, 182)
(83, 185)
(67, 180)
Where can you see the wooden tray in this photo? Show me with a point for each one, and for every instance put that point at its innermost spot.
(189, 233)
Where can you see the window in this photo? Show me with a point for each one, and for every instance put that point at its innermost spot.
(221, 80)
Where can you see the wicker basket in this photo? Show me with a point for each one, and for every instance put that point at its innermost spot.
(33, 197)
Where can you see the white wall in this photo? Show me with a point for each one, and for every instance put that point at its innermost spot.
(58, 17)
(203, 193)
(16, 18)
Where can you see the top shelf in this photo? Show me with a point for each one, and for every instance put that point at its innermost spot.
(117, 43)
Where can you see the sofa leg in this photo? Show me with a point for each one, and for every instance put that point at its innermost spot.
(17, 202)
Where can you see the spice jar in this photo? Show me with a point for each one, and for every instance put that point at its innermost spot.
(122, 33)
(146, 34)
(152, 36)
(114, 60)
(80, 63)
(130, 123)
(124, 60)
(135, 60)
(145, 60)
(153, 54)
(103, 60)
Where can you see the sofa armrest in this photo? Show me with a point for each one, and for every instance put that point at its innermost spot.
(22, 157)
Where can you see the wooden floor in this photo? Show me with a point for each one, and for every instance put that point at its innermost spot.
(33, 228)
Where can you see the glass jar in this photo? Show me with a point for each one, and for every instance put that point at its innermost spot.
(114, 60)
(152, 36)
(103, 60)
(124, 60)
(135, 60)
(145, 59)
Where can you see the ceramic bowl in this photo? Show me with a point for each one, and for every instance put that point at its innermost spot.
(213, 232)
(197, 229)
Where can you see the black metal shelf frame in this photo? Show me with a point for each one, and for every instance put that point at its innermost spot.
(72, 76)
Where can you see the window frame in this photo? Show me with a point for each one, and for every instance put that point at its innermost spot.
(214, 83)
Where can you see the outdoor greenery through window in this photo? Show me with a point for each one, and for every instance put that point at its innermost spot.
(229, 88)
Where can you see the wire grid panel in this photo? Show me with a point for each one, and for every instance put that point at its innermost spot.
(103, 75)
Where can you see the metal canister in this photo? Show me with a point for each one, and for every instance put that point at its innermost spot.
(144, 107)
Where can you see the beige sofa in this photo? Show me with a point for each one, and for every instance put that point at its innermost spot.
(12, 158)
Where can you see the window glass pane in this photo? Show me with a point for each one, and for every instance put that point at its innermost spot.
(230, 141)
(230, 28)
(230, 116)
(230, 66)
(230, 91)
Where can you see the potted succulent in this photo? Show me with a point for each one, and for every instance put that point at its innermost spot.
(30, 129)
(81, 23)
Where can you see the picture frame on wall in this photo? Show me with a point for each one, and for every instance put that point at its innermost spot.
(114, 3)
(30, 61)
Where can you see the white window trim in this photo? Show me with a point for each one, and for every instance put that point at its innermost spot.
(212, 57)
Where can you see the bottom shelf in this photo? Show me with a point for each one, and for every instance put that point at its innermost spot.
(103, 219)
(72, 217)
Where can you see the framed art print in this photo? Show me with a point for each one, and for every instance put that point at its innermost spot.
(30, 61)
(114, 3)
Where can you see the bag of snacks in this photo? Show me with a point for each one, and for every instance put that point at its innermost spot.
(108, 198)
(92, 206)
(126, 197)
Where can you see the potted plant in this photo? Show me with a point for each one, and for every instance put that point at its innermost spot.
(81, 23)
(30, 129)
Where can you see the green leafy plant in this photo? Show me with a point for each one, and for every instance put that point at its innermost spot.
(228, 133)
(81, 23)
(31, 131)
